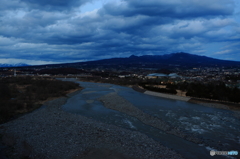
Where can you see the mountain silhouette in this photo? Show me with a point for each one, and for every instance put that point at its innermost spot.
(175, 59)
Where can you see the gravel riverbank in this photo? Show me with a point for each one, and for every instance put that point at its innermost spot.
(50, 132)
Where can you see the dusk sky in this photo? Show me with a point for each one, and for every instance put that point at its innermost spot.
(59, 31)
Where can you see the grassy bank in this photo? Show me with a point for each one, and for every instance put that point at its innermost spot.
(19, 95)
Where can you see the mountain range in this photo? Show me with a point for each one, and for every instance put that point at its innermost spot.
(181, 60)
(13, 65)
(167, 60)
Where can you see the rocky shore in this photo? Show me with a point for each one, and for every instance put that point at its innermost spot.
(50, 132)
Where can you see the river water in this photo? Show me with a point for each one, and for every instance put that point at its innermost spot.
(219, 127)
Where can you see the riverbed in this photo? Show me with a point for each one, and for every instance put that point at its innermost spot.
(192, 130)
(106, 120)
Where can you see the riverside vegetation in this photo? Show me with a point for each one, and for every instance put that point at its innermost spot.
(211, 90)
(20, 95)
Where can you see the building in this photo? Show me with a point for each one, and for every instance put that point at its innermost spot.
(156, 75)
(162, 75)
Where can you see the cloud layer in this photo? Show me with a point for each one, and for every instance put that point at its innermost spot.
(58, 30)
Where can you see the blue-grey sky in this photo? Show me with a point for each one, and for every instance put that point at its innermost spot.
(57, 31)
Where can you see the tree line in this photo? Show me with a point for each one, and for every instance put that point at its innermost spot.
(216, 91)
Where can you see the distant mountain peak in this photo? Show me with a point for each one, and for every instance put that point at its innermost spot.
(133, 56)
(180, 59)
(182, 53)
(13, 65)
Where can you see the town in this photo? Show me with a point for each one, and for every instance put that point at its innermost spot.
(228, 75)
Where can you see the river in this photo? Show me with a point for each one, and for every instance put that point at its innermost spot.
(218, 127)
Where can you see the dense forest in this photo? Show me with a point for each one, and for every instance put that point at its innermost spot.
(23, 94)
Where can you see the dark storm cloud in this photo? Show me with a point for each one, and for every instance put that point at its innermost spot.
(174, 9)
(56, 30)
(54, 4)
